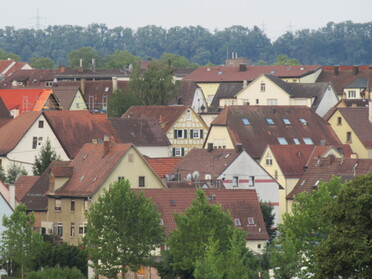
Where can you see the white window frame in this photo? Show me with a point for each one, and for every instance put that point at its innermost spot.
(237, 222)
(269, 160)
(308, 141)
(196, 134)
(272, 102)
(178, 152)
(235, 181)
(263, 87)
(282, 141)
(60, 229)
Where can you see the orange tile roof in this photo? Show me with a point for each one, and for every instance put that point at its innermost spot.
(163, 166)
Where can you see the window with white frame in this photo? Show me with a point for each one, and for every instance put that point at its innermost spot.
(272, 102)
(263, 87)
(251, 181)
(180, 134)
(195, 134)
(250, 221)
(237, 222)
(60, 229)
(82, 228)
(308, 141)
(178, 151)
(235, 181)
(269, 160)
(72, 229)
(282, 141)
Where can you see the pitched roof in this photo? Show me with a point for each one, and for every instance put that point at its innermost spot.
(30, 77)
(233, 74)
(74, 74)
(226, 90)
(163, 166)
(139, 131)
(75, 128)
(323, 169)
(212, 162)
(187, 92)
(4, 112)
(303, 124)
(358, 83)
(13, 131)
(36, 199)
(23, 185)
(358, 120)
(166, 115)
(66, 95)
(242, 204)
(8, 67)
(91, 167)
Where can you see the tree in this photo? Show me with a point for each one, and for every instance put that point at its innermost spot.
(177, 61)
(123, 229)
(293, 253)
(210, 264)
(285, 60)
(20, 244)
(5, 55)
(14, 171)
(41, 63)
(347, 250)
(46, 156)
(121, 101)
(86, 55)
(200, 222)
(56, 272)
(268, 216)
(120, 59)
(2, 174)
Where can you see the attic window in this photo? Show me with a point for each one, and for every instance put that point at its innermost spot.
(246, 122)
(250, 221)
(282, 141)
(303, 122)
(172, 202)
(296, 141)
(308, 141)
(270, 121)
(106, 89)
(237, 222)
(41, 124)
(286, 121)
(161, 222)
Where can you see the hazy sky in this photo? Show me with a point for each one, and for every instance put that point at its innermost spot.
(275, 16)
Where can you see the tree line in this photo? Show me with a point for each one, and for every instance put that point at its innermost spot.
(344, 43)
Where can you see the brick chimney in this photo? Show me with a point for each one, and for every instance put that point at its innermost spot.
(210, 147)
(114, 84)
(106, 144)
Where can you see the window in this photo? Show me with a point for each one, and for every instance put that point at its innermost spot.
(82, 228)
(34, 142)
(269, 160)
(196, 134)
(250, 221)
(296, 141)
(276, 175)
(270, 121)
(57, 205)
(308, 141)
(161, 222)
(104, 102)
(303, 122)
(72, 206)
(141, 181)
(272, 102)
(188, 115)
(339, 120)
(251, 181)
(86, 205)
(237, 222)
(352, 94)
(121, 178)
(60, 229)
(282, 141)
(257, 101)
(178, 151)
(348, 137)
(41, 124)
(258, 246)
(180, 134)
(246, 122)
(263, 87)
(131, 158)
(219, 143)
(72, 230)
(235, 181)
(286, 121)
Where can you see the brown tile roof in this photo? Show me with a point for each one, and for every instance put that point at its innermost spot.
(293, 158)
(342, 76)
(30, 78)
(23, 185)
(232, 74)
(205, 162)
(259, 133)
(76, 128)
(4, 112)
(324, 168)
(242, 204)
(139, 131)
(13, 131)
(163, 166)
(182, 72)
(8, 67)
(91, 167)
(166, 115)
(187, 92)
(66, 95)
(73, 74)
(36, 199)
(226, 90)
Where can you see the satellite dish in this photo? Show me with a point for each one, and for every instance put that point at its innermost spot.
(166, 176)
(188, 177)
(208, 177)
(195, 175)
(172, 177)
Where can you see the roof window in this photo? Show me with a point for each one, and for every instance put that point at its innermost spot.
(237, 222)
(303, 122)
(308, 141)
(250, 221)
(286, 121)
(246, 122)
(296, 141)
(282, 141)
(270, 121)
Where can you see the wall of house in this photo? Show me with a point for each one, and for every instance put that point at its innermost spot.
(198, 101)
(219, 136)
(257, 246)
(208, 118)
(301, 102)
(328, 101)
(341, 131)
(78, 103)
(155, 151)
(311, 78)
(209, 90)
(24, 154)
(185, 123)
(253, 95)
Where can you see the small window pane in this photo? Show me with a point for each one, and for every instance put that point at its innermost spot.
(282, 141)
(308, 141)
(296, 141)
(246, 121)
(286, 121)
(270, 121)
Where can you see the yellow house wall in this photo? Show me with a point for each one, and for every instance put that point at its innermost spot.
(219, 134)
(208, 118)
(209, 90)
(341, 131)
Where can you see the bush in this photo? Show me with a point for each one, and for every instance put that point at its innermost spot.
(56, 273)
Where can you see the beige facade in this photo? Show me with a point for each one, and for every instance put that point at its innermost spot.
(220, 137)
(78, 103)
(209, 90)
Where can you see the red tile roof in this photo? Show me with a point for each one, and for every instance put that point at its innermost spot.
(256, 136)
(8, 67)
(242, 204)
(23, 185)
(232, 74)
(29, 78)
(4, 112)
(163, 166)
(166, 115)
(66, 95)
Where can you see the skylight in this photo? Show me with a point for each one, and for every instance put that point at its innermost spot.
(282, 141)
(296, 141)
(250, 220)
(303, 121)
(286, 121)
(246, 122)
(237, 222)
(270, 121)
(308, 141)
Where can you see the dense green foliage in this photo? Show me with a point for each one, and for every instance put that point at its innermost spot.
(20, 244)
(268, 216)
(14, 171)
(57, 273)
(46, 155)
(41, 63)
(123, 229)
(335, 44)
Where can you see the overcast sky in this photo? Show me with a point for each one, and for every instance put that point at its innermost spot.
(274, 16)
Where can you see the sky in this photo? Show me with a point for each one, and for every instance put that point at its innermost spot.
(275, 17)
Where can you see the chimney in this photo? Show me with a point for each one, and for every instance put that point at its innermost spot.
(242, 67)
(238, 147)
(80, 69)
(114, 84)
(370, 111)
(245, 83)
(210, 147)
(323, 142)
(355, 70)
(12, 197)
(336, 70)
(106, 144)
(62, 69)
(82, 86)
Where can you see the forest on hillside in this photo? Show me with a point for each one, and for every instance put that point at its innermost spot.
(344, 43)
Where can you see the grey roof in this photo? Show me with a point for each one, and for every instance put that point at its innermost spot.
(226, 90)
(358, 83)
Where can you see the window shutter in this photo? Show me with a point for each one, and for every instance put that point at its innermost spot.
(175, 134)
(185, 134)
(174, 152)
(191, 134)
(201, 133)
(183, 151)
